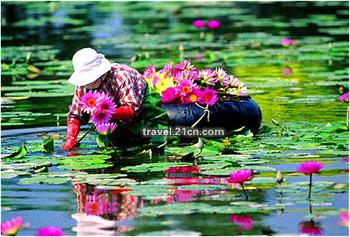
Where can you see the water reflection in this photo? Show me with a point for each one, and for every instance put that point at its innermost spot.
(189, 175)
(244, 222)
(99, 210)
(310, 227)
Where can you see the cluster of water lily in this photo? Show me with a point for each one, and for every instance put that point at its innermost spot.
(100, 106)
(211, 24)
(11, 228)
(185, 84)
(308, 168)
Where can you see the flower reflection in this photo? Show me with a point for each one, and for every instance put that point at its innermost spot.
(344, 219)
(98, 204)
(244, 222)
(49, 231)
(187, 175)
(183, 169)
(310, 227)
(345, 159)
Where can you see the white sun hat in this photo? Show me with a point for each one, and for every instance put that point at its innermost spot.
(88, 66)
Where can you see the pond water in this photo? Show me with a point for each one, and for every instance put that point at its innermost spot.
(87, 192)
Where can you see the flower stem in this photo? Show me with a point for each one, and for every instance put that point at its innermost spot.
(114, 149)
(87, 132)
(245, 193)
(280, 189)
(310, 185)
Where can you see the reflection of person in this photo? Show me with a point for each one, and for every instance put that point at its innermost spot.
(103, 206)
(93, 72)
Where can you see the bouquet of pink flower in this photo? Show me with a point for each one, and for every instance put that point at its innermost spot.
(100, 106)
(185, 84)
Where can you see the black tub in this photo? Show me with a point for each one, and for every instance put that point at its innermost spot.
(229, 114)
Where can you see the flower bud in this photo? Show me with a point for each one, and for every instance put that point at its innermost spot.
(279, 178)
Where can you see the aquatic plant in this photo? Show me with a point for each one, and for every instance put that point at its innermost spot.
(12, 226)
(186, 83)
(208, 76)
(287, 71)
(344, 97)
(106, 128)
(169, 95)
(198, 23)
(213, 24)
(89, 102)
(288, 42)
(194, 95)
(309, 168)
(101, 116)
(149, 71)
(49, 231)
(185, 86)
(240, 177)
(104, 102)
(208, 96)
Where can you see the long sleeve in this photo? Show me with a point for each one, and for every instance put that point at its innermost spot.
(130, 88)
(75, 110)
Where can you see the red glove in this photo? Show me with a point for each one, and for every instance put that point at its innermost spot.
(123, 113)
(73, 128)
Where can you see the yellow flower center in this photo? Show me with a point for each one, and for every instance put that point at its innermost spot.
(185, 89)
(91, 102)
(193, 98)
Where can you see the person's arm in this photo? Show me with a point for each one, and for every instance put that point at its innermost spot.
(130, 93)
(75, 118)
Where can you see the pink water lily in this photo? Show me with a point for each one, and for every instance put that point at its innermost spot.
(49, 231)
(106, 128)
(198, 23)
(104, 102)
(222, 75)
(243, 90)
(185, 86)
(240, 176)
(287, 42)
(182, 66)
(169, 95)
(310, 167)
(89, 101)
(208, 96)
(208, 76)
(101, 116)
(194, 95)
(287, 71)
(149, 71)
(344, 97)
(213, 24)
(12, 226)
(166, 69)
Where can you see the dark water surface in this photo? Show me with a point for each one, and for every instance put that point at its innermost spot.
(291, 84)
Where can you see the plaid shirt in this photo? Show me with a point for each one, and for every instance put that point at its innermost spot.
(124, 84)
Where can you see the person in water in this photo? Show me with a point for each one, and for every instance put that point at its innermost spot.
(124, 84)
